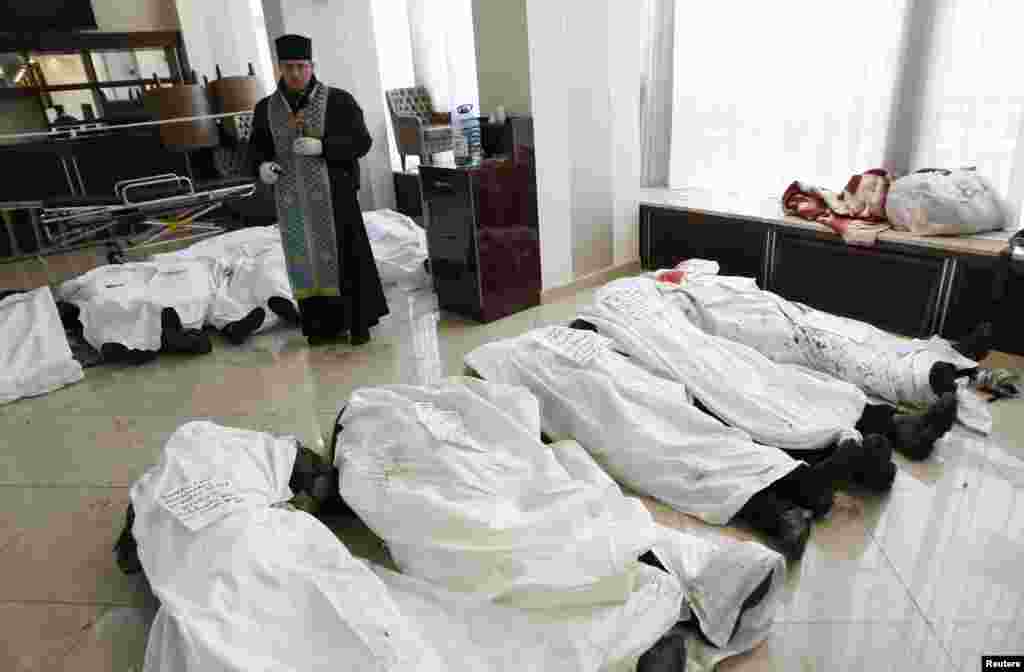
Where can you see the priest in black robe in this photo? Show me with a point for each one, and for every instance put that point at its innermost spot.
(307, 140)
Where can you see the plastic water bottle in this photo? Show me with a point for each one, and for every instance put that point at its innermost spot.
(466, 127)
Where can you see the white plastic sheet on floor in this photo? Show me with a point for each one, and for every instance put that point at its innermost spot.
(882, 364)
(639, 427)
(122, 303)
(259, 587)
(248, 268)
(782, 405)
(454, 478)
(35, 357)
(399, 247)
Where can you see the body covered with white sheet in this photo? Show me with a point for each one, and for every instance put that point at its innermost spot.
(641, 428)
(786, 406)
(883, 365)
(122, 303)
(245, 585)
(35, 357)
(248, 269)
(454, 478)
(399, 246)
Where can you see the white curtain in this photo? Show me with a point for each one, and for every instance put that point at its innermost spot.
(812, 90)
(656, 92)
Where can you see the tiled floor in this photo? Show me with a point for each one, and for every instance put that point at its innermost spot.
(928, 577)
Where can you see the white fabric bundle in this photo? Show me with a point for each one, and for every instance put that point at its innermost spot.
(248, 268)
(778, 405)
(399, 246)
(946, 203)
(254, 587)
(122, 303)
(34, 354)
(639, 427)
(883, 365)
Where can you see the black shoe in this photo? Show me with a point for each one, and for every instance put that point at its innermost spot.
(878, 472)
(917, 434)
(69, 317)
(170, 320)
(360, 337)
(126, 548)
(793, 531)
(977, 344)
(667, 655)
(847, 459)
(187, 342)
(285, 309)
(239, 331)
(115, 353)
(582, 325)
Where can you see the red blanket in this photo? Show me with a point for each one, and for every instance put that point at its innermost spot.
(857, 214)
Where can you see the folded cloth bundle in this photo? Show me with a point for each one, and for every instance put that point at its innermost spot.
(857, 214)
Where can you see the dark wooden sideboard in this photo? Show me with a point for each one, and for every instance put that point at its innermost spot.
(907, 286)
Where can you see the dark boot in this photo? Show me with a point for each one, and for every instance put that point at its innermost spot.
(667, 655)
(806, 488)
(315, 483)
(582, 325)
(977, 344)
(69, 317)
(126, 548)
(787, 525)
(115, 353)
(916, 434)
(848, 459)
(238, 332)
(878, 471)
(285, 309)
(360, 336)
(175, 339)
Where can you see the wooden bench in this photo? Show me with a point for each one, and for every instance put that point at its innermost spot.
(916, 286)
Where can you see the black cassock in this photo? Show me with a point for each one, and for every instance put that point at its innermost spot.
(346, 139)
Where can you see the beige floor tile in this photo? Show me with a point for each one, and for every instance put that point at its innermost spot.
(52, 637)
(845, 647)
(56, 546)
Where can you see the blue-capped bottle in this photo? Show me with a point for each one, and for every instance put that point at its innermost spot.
(466, 127)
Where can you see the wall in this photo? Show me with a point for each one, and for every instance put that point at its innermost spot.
(135, 15)
(585, 67)
(394, 49)
(228, 33)
(502, 55)
(345, 53)
(443, 51)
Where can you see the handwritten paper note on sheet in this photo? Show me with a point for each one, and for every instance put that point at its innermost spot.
(575, 345)
(199, 503)
(633, 303)
(444, 425)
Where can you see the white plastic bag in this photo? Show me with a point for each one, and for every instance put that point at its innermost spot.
(945, 203)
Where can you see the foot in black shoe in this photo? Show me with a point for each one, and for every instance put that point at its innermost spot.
(285, 309)
(126, 548)
(917, 434)
(360, 337)
(239, 331)
(170, 320)
(977, 344)
(583, 325)
(667, 655)
(69, 316)
(794, 529)
(113, 353)
(840, 467)
(942, 378)
(878, 471)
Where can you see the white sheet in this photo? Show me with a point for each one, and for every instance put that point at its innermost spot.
(468, 499)
(35, 357)
(892, 368)
(262, 588)
(122, 303)
(639, 427)
(778, 405)
(399, 246)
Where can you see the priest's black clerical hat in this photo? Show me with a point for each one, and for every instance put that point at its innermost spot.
(294, 48)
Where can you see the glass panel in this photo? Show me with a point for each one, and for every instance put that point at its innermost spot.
(114, 66)
(71, 102)
(62, 68)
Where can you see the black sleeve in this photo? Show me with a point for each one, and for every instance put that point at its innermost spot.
(347, 137)
(261, 144)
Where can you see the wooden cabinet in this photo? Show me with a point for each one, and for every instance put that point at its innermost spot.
(483, 238)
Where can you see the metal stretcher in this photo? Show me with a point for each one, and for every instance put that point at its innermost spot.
(141, 212)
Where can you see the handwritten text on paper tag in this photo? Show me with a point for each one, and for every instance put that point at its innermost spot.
(633, 303)
(199, 503)
(446, 426)
(576, 345)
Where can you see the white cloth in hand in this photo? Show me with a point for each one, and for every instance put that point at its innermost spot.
(308, 147)
(270, 172)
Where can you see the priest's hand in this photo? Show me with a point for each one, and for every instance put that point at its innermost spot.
(270, 172)
(308, 147)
